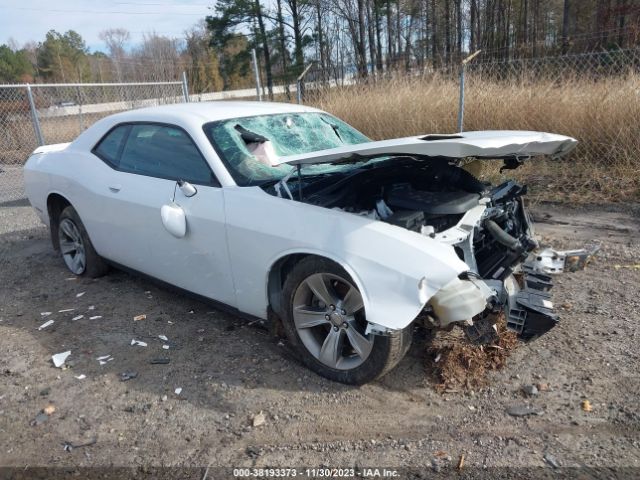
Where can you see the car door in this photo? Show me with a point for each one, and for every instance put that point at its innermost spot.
(150, 159)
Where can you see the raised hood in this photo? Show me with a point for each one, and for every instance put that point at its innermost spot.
(484, 144)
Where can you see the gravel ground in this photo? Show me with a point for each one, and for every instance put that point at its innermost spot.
(232, 373)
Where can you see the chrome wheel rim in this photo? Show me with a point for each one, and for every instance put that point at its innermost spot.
(328, 314)
(72, 246)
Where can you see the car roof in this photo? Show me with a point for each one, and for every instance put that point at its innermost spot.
(186, 115)
(209, 111)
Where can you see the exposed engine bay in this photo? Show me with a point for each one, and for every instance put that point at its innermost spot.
(488, 227)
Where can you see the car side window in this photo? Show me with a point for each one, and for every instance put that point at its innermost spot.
(110, 146)
(165, 152)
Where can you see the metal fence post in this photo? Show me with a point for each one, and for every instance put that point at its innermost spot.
(461, 101)
(463, 66)
(300, 83)
(34, 117)
(256, 71)
(185, 87)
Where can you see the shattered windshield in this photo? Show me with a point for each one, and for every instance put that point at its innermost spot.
(288, 133)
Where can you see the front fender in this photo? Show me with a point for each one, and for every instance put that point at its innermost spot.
(397, 271)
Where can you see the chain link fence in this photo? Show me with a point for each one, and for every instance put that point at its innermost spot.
(33, 115)
(593, 97)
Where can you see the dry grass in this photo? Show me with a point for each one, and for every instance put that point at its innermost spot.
(603, 115)
(453, 363)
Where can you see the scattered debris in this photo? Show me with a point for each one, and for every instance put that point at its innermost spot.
(139, 343)
(586, 406)
(91, 307)
(139, 317)
(104, 359)
(78, 295)
(551, 460)
(40, 419)
(59, 358)
(81, 376)
(461, 462)
(259, 419)
(95, 317)
(165, 347)
(530, 390)
(160, 361)
(45, 314)
(162, 337)
(633, 267)
(124, 376)
(46, 324)
(68, 446)
(523, 410)
(49, 409)
(178, 391)
(77, 317)
(66, 310)
(543, 387)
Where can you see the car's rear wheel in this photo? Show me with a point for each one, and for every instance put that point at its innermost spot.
(324, 319)
(76, 248)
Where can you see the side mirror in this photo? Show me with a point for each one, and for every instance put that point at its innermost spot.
(187, 189)
(174, 219)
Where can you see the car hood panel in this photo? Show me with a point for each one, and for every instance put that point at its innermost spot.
(482, 144)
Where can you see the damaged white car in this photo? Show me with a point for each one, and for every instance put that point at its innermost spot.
(284, 211)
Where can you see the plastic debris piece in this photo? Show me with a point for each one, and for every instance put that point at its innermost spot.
(551, 460)
(124, 376)
(169, 322)
(104, 359)
(165, 347)
(91, 307)
(461, 462)
(259, 419)
(68, 446)
(40, 419)
(81, 376)
(178, 391)
(46, 324)
(66, 310)
(77, 317)
(139, 317)
(139, 343)
(95, 317)
(45, 314)
(162, 337)
(59, 358)
(586, 406)
(160, 361)
(78, 295)
(49, 409)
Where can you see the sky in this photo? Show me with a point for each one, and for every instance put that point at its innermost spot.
(29, 20)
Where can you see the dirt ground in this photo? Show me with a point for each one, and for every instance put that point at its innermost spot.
(230, 371)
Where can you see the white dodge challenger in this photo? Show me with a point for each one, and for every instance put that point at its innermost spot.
(286, 212)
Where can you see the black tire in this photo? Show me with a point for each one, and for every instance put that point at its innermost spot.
(94, 265)
(386, 352)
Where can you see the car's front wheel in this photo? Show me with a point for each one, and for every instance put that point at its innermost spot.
(324, 319)
(76, 247)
